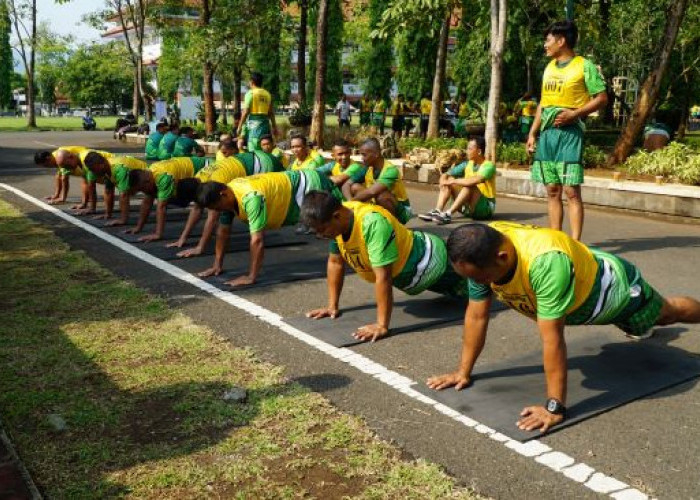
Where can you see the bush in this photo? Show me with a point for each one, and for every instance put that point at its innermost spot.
(512, 153)
(301, 116)
(677, 161)
(410, 143)
(593, 156)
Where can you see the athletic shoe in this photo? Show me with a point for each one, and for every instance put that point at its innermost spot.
(442, 218)
(648, 334)
(302, 229)
(428, 217)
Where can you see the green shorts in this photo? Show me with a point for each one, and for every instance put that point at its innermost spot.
(378, 119)
(365, 118)
(559, 156)
(484, 209)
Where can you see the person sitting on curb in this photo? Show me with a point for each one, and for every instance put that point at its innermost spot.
(472, 186)
(267, 201)
(154, 141)
(304, 157)
(169, 182)
(555, 280)
(167, 143)
(378, 180)
(381, 251)
(186, 145)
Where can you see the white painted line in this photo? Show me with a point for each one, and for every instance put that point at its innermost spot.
(578, 472)
(46, 144)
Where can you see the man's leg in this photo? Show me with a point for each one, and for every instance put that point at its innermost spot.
(387, 201)
(573, 194)
(468, 196)
(679, 310)
(555, 207)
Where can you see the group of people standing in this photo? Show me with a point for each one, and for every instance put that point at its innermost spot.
(362, 208)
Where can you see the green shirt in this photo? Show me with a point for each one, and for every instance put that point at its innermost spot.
(166, 185)
(166, 146)
(594, 85)
(152, 145)
(184, 146)
(389, 175)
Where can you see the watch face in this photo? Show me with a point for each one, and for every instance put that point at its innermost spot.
(552, 405)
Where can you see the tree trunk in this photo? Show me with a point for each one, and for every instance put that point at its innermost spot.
(145, 99)
(649, 93)
(318, 117)
(31, 119)
(136, 96)
(498, 37)
(209, 118)
(528, 72)
(438, 80)
(237, 81)
(301, 50)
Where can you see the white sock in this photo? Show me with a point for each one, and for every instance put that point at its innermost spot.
(449, 212)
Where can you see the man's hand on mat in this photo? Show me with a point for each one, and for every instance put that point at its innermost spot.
(241, 281)
(370, 332)
(537, 417)
(456, 379)
(176, 244)
(100, 216)
(84, 211)
(190, 252)
(326, 312)
(79, 206)
(115, 222)
(132, 230)
(150, 237)
(212, 271)
(565, 117)
(56, 201)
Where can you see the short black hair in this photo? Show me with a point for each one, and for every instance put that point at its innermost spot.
(162, 125)
(41, 157)
(474, 243)
(174, 127)
(256, 78)
(186, 130)
(208, 193)
(228, 144)
(267, 137)
(92, 159)
(318, 208)
(373, 143)
(566, 29)
(186, 191)
(480, 142)
(341, 143)
(299, 136)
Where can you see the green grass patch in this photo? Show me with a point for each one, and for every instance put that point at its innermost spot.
(19, 124)
(140, 387)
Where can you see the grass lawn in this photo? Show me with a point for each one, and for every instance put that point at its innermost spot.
(19, 124)
(140, 390)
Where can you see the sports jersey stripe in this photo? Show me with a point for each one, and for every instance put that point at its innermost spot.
(423, 264)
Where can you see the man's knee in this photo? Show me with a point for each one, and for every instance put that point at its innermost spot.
(573, 193)
(356, 188)
(386, 200)
(554, 191)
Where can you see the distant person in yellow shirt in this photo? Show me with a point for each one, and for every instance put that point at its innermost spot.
(379, 114)
(398, 112)
(365, 110)
(426, 105)
(258, 114)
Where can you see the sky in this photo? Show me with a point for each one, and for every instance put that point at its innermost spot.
(66, 19)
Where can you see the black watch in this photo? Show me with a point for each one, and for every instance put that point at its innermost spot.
(555, 407)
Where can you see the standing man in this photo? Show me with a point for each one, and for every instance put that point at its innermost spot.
(572, 89)
(381, 251)
(426, 105)
(258, 114)
(556, 281)
(472, 186)
(304, 157)
(379, 180)
(343, 110)
(154, 141)
(379, 114)
(462, 115)
(398, 112)
(365, 110)
(526, 107)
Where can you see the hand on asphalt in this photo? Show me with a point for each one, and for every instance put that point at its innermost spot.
(212, 271)
(115, 222)
(190, 252)
(175, 244)
(241, 281)
(150, 237)
(537, 417)
(100, 216)
(370, 332)
(456, 379)
(325, 312)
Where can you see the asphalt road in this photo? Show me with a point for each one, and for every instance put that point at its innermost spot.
(652, 444)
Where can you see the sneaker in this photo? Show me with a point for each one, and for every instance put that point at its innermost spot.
(428, 217)
(302, 229)
(648, 334)
(442, 218)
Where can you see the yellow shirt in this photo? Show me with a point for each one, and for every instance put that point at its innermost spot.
(530, 242)
(354, 251)
(564, 87)
(129, 162)
(398, 108)
(488, 187)
(379, 106)
(310, 161)
(178, 168)
(463, 110)
(365, 105)
(425, 106)
(276, 189)
(398, 189)
(258, 101)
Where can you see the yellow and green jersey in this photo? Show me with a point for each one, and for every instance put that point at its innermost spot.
(119, 167)
(152, 145)
(528, 108)
(463, 111)
(426, 106)
(389, 176)
(398, 108)
(379, 106)
(167, 145)
(365, 105)
(239, 165)
(554, 275)
(333, 168)
(81, 152)
(568, 85)
(168, 173)
(258, 101)
(270, 201)
(313, 160)
(279, 154)
(487, 170)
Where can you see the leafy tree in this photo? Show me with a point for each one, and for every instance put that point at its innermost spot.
(265, 45)
(6, 62)
(53, 52)
(23, 19)
(417, 50)
(94, 76)
(381, 54)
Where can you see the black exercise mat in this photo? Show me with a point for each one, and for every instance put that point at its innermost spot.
(605, 372)
(409, 314)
